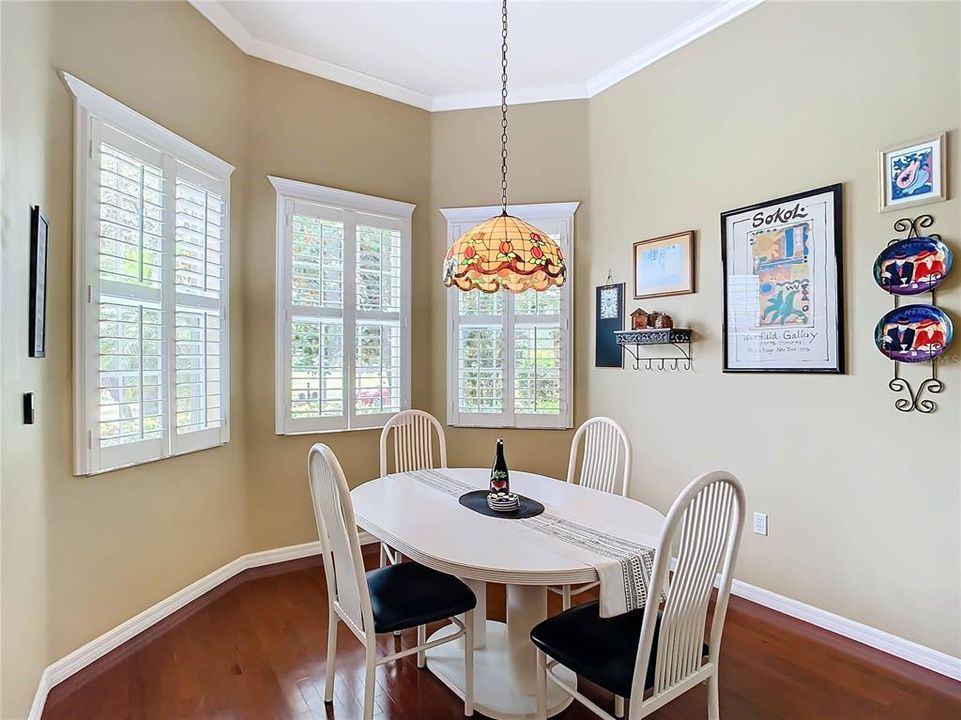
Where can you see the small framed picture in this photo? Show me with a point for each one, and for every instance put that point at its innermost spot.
(913, 173)
(38, 283)
(664, 265)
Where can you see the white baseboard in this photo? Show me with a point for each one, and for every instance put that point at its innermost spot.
(95, 649)
(899, 647)
(60, 670)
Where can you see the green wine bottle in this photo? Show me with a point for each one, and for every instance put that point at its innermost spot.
(500, 479)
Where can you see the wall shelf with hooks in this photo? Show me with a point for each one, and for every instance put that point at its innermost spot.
(679, 338)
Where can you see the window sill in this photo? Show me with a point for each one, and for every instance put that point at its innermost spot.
(331, 431)
(510, 427)
(139, 463)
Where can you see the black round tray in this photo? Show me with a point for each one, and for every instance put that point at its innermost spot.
(476, 500)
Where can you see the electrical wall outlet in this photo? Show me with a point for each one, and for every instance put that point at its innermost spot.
(760, 523)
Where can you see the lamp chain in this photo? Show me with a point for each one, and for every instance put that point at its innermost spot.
(504, 108)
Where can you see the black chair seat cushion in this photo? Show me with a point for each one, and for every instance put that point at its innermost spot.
(409, 594)
(603, 650)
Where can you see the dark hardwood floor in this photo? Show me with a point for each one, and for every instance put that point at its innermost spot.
(254, 650)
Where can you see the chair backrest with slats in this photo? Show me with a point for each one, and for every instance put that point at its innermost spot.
(705, 524)
(412, 434)
(606, 461)
(340, 544)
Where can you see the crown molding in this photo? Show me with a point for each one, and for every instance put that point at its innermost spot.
(531, 211)
(218, 15)
(523, 96)
(675, 40)
(221, 19)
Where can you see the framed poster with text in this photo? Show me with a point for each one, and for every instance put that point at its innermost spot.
(782, 285)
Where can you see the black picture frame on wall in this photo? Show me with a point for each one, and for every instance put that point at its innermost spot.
(39, 229)
(608, 317)
(783, 284)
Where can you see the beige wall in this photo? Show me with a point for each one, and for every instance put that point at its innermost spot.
(80, 555)
(863, 500)
(855, 528)
(304, 128)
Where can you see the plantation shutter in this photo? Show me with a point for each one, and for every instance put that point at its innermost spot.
(480, 357)
(378, 390)
(316, 394)
(199, 348)
(124, 347)
(152, 317)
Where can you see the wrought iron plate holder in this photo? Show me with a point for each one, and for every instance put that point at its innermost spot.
(680, 338)
(914, 399)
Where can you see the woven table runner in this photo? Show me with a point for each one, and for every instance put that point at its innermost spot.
(624, 567)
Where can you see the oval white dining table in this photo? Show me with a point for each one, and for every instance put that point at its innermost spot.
(432, 528)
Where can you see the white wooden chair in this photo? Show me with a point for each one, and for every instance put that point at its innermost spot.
(385, 600)
(605, 466)
(606, 462)
(412, 434)
(656, 654)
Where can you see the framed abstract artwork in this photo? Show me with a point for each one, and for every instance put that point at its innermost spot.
(664, 265)
(609, 318)
(783, 296)
(913, 173)
(38, 284)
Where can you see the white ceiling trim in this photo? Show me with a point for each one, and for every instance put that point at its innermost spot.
(221, 19)
(465, 101)
(669, 43)
(215, 12)
(533, 211)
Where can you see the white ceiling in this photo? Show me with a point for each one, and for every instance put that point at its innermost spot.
(446, 55)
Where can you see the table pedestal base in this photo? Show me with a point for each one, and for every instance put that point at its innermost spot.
(498, 691)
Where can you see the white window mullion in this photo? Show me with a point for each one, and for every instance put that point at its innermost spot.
(283, 316)
(453, 359)
(406, 293)
(87, 451)
(350, 317)
(168, 371)
(508, 359)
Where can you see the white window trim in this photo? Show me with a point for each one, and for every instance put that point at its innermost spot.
(289, 191)
(457, 219)
(91, 104)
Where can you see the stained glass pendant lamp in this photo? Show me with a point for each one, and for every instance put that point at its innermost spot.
(504, 252)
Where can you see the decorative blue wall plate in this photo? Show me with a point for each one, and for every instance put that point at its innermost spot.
(913, 266)
(914, 333)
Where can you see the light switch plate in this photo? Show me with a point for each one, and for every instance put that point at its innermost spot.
(760, 523)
